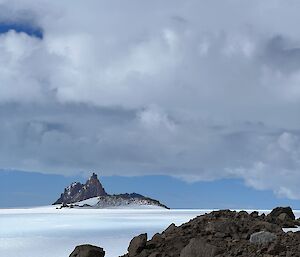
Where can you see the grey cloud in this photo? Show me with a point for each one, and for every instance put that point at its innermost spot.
(11, 13)
(282, 55)
(175, 87)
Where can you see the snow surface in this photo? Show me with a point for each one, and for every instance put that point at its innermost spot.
(48, 232)
(90, 201)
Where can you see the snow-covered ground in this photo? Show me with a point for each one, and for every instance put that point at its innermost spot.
(47, 232)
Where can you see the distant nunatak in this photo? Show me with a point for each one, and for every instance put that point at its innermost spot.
(93, 195)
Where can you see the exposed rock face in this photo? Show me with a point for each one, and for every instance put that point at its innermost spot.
(282, 210)
(126, 200)
(200, 248)
(282, 216)
(78, 192)
(137, 244)
(222, 234)
(262, 237)
(87, 251)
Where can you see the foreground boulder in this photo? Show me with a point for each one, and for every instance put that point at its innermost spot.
(282, 216)
(87, 251)
(262, 237)
(137, 244)
(275, 213)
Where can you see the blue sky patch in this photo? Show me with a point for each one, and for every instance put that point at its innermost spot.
(29, 29)
(25, 189)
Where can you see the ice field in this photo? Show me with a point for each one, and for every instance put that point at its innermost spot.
(47, 232)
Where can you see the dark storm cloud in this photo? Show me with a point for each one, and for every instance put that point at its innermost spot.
(199, 90)
(281, 54)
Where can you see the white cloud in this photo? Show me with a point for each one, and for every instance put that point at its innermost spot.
(154, 118)
(277, 167)
(193, 89)
(18, 82)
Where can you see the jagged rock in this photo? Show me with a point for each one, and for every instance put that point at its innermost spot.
(282, 216)
(254, 214)
(222, 234)
(265, 226)
(226, 227)
(262, 237)
(171, 228)
(87, 251)
(199, 248)
(137, 244)
(279, 210)
(285, 220)
(77, 192)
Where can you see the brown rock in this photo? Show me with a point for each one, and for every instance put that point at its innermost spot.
(262, 237)
(199, 248)
(222, 234)
(226, 227)
(254, 214)
(87, 251)
(155, 254)
(171, 228)
(279, 210)
(276, 249)
(137, 244)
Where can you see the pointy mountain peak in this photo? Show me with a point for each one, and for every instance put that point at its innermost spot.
(78, 192)
(94, 176)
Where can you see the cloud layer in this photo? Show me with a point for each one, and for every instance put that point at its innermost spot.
(199, 90)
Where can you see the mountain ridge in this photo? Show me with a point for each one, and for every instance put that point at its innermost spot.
(93, 189)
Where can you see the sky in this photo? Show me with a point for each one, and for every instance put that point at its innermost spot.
(30, 189)
(199, 91)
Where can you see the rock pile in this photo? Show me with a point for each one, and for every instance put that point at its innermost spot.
(222, 234)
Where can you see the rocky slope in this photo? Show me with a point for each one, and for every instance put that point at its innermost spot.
(121, 200)
(77, 192)
(93, 195)
(220, 234)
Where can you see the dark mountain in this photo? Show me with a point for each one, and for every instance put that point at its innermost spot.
(78, 192)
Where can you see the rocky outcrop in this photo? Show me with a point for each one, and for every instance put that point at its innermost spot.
(200, 248)
(222, 234)
(262, 237)
(282, 216)
(137, 244)
(275, 213)
(126, 200)
(87, 251)
(78, 192)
